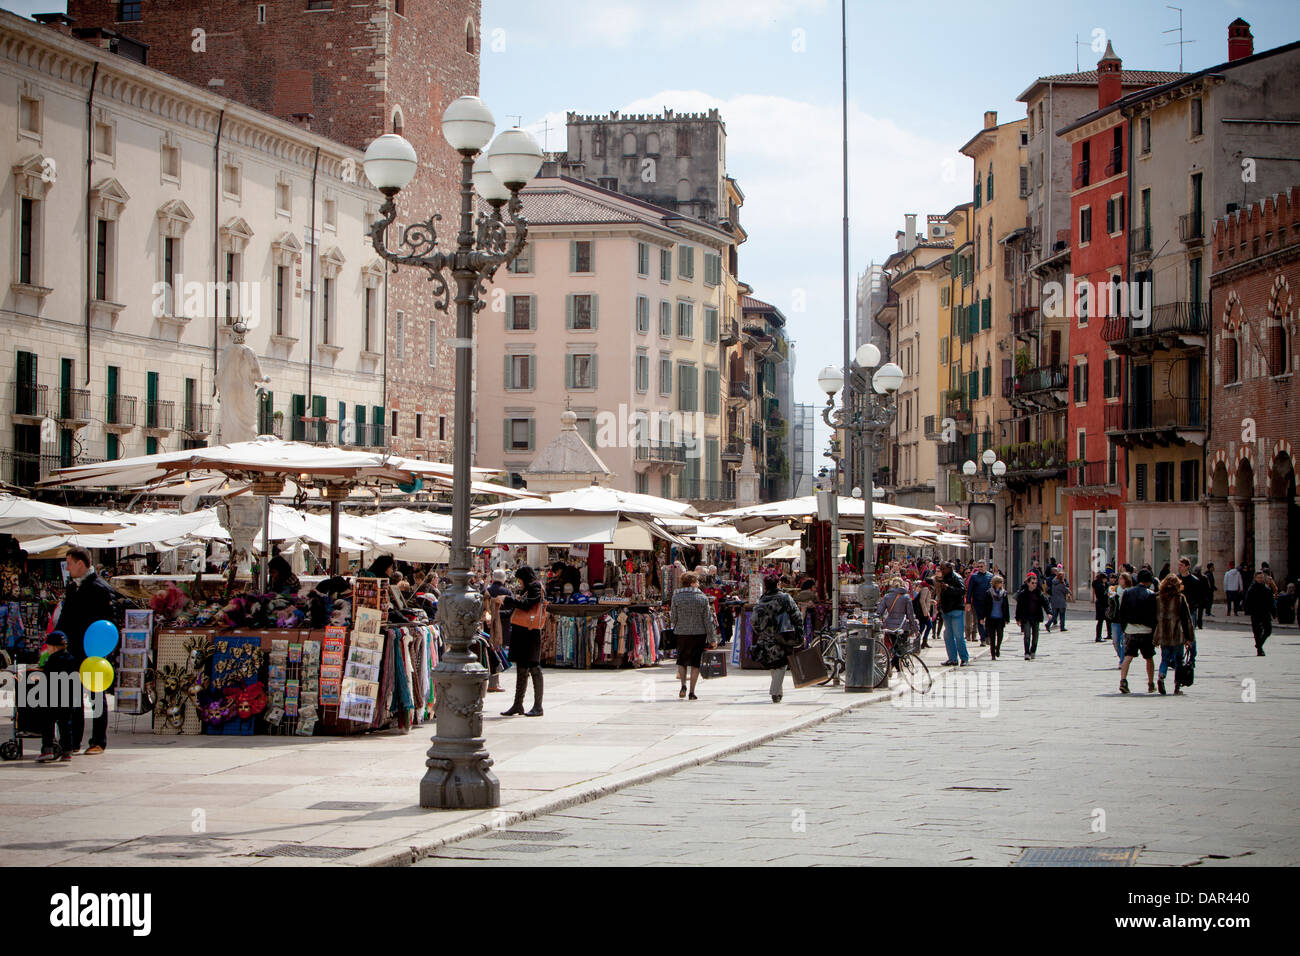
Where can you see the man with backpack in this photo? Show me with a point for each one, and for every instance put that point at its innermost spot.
(89, 598)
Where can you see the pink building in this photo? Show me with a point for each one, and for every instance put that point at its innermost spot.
(613, 312)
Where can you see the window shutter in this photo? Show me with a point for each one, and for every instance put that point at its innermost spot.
(594, 383)
(508, 375)
(568, 371)
(532, 433)
(591, 256)
(573, 256)
(568, 311)
(532, 372)
(510, 312)
(532, 313)
(595, 311)
(505, 434)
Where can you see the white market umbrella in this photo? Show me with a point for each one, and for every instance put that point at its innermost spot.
(23, 517)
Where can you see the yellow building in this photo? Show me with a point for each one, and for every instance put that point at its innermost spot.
(950, 428)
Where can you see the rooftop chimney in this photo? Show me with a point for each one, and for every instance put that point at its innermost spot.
(1110, 78)
(910, 219)
(990, 119)
(1240, 41)
(58, 21)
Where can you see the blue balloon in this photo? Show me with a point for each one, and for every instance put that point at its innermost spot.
(101, 639)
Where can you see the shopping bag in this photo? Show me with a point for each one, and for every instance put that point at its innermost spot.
(713, 663)
(806, 666)
(1185, 673)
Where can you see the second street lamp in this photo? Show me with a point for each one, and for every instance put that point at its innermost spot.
(458, 774)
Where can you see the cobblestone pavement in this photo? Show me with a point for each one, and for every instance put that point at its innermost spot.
(1048, 753)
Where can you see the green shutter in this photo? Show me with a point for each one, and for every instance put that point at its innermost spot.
(505, 374)
(532, 372)
(505, 434)
(568, 371)
(532, 433)
(573, 256)
(568, 311)
(595, 311)
(532, 313)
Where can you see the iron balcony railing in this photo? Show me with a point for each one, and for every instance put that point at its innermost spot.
(1081, 174)
(318, 431)
(1139, 240)
(671, 452)
(1035, 456)
(1115, 161)
(374, 435)
(953, 453)
(741, 389)
(197, 419)
(1041, 379)
(74, 404)
(734, 449)
(119, 409)
(1091, 474)
(160, 415)
(25, 469)
(958, 409)
(1176, 318)
(1160, 415)
(696, 489)
(1191, 227)
(31, 399)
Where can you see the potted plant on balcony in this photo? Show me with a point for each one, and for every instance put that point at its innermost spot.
(1023, 361)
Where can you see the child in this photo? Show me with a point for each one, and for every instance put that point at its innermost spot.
(55, 660)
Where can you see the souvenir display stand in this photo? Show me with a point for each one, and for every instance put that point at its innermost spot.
(601, 635)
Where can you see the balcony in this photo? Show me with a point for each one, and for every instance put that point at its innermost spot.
(662, 453)
(739, 391)
(197, 420)
(74, 407)
(1139, 241)
(271, 424)
(25, 469)
(31, 402)
(119, 413)
(373, 435)
(1174, 325)
(159, 416)
(693, 489)
(1165, 422)
(933, 431)
(730, 333)
(1026, 321)
(1081, 174)
(957, 409)
(954, 453)
(319, 431)
(1092, 477)
(1191, 228)
(1043, 387)
(733, 450)
(1115, 161)
(1031, 462)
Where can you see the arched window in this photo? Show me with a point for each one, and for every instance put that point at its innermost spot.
(629, 144)
(990, 185)
(471, 37)
(683, 190)
(990, 259)
(652, 144)
(979, 188)
(978, 236)
(1279, 358)
(399, 121)
(1231, 358)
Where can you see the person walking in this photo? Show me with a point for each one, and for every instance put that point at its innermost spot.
(952, 608)
(1191, 587)
(692, 623)
(1137, 615)
(89, 598)
(777, 623)
(995, 609)
(1173, 630)
(1059, 595)
(1258, 603)
(1232, 588)
(1101, 601)
(527, 618)
(977, 587)
(499, 624)
(1112, 612)
(1031, 607)
(1286, 605)
(924, 609)
(1212, 588)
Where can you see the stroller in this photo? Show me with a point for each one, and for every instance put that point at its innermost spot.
(28, 721)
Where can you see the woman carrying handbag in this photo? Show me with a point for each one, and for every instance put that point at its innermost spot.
(527, 618)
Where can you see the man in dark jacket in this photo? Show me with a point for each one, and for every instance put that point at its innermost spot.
(952, 601)
(1031, 605)
(1194, 590)
(89, 598)
(1137, 617)
(1259, 605)
(976, 590)
(60, 671)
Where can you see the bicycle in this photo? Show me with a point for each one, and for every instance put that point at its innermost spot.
(898, 651)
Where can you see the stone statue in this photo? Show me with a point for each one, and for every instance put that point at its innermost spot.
(239, 382)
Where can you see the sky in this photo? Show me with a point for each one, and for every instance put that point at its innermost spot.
(920, 76)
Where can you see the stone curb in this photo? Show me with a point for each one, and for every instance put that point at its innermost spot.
(490, 820)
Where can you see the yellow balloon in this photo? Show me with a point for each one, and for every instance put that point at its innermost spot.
(96, 674)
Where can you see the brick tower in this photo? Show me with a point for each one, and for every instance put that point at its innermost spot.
(352, 69)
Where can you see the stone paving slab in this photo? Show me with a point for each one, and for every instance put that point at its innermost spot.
(171, 800)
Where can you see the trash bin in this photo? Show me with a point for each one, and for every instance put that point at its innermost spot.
(862, 672)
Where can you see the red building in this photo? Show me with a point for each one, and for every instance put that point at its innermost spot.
(1251, 492)
(1097, 290)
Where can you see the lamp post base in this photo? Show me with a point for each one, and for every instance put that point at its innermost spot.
(459, 775)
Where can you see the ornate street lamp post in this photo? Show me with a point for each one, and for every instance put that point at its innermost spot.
(983, 487)
(459, 774)
(869, 420)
